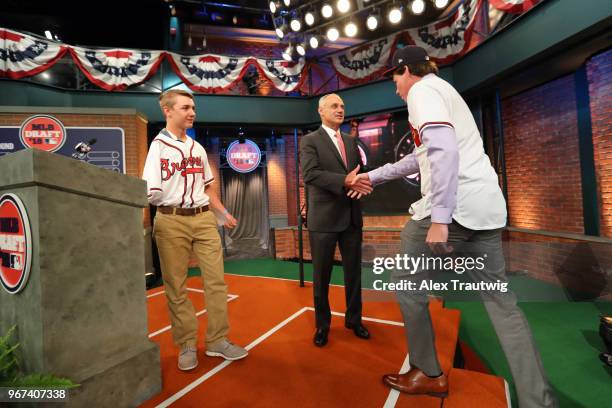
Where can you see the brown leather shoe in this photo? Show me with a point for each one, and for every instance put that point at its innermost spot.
(416, 382)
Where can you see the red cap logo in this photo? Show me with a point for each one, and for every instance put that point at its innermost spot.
(15, 244)
(42, 132)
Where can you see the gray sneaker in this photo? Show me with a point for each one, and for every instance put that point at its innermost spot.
(188, 358)
(227, 350)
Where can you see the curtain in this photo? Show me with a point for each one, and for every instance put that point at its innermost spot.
(245, 197)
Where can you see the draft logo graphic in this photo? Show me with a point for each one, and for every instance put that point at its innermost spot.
(15, 244)
(243, 157)
(42, 132)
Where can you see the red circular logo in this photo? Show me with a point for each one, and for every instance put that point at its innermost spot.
(243, 157)
(15, 244)
(42, 132)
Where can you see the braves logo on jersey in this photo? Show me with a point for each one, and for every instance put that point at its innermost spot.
(189, 165)
(415, 136)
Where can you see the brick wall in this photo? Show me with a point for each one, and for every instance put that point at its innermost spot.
(290, 177)
(542, 158)
(381, 237)
(277, 180)
(580, 263)
(599, 73)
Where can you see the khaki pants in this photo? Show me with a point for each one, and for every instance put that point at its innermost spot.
(176, 236)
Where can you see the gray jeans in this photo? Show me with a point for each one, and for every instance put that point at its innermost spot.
(510, 325)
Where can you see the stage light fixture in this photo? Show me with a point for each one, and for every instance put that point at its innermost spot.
(301, 48)
(309, 18)
(314, 42)
(333, 34)
(441, 3)
(417, 6)
(343, 6)
(373, 21)
(288, 53)
(274, 5)
(350, 29)
(287, 3)
(327, 11)
(296, 24)
(280, 31)
(395, 14)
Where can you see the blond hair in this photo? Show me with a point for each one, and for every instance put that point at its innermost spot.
(168, 98)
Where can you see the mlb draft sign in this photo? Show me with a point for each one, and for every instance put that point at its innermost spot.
(15, 244)
(243, 157)
(42, 132)
(47, 133)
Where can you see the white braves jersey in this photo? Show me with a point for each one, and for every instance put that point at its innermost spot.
(480, 203)
(176, 172)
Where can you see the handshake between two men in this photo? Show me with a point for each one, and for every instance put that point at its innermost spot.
(357, 185)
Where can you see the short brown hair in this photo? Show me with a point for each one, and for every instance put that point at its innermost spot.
(168, 98)
(419, 68)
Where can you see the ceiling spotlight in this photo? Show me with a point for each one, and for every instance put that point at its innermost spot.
(296, 24)
(280, 31)
(288, 53)
(309, 18)
(327, 10)
(350, 29)
(314, 42)
(418, 6)
(287, 3)
(372, 22)
(343, 6)
(333, 34)
(441, 3)
(274, 5)
(395, 14)
(301, 48)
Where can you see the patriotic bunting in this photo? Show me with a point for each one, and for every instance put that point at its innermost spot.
(23, 55)
(513, 6)
(115, 70)
(208, 73)
(285, 76)
(366, 62)
(448, 39)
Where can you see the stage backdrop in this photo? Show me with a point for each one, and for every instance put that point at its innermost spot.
(107, 152)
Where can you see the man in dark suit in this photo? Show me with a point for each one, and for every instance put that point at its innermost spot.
(326, 158)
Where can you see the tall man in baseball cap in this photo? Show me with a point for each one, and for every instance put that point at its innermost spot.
(461, 203)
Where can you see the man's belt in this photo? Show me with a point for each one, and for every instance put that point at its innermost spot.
(182, 211)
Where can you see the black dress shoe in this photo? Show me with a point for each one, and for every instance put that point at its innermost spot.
(320, 337)
(359, 330)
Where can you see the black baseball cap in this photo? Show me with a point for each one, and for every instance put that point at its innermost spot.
(404, 56)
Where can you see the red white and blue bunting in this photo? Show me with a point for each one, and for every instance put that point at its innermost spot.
(513, 6)
(448, 39)
(208, 73)
(115, 70)
(23, 55)
(366, 62)
(285, 76)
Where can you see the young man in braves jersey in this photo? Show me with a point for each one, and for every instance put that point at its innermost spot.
(178, 181)
(461, 203)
